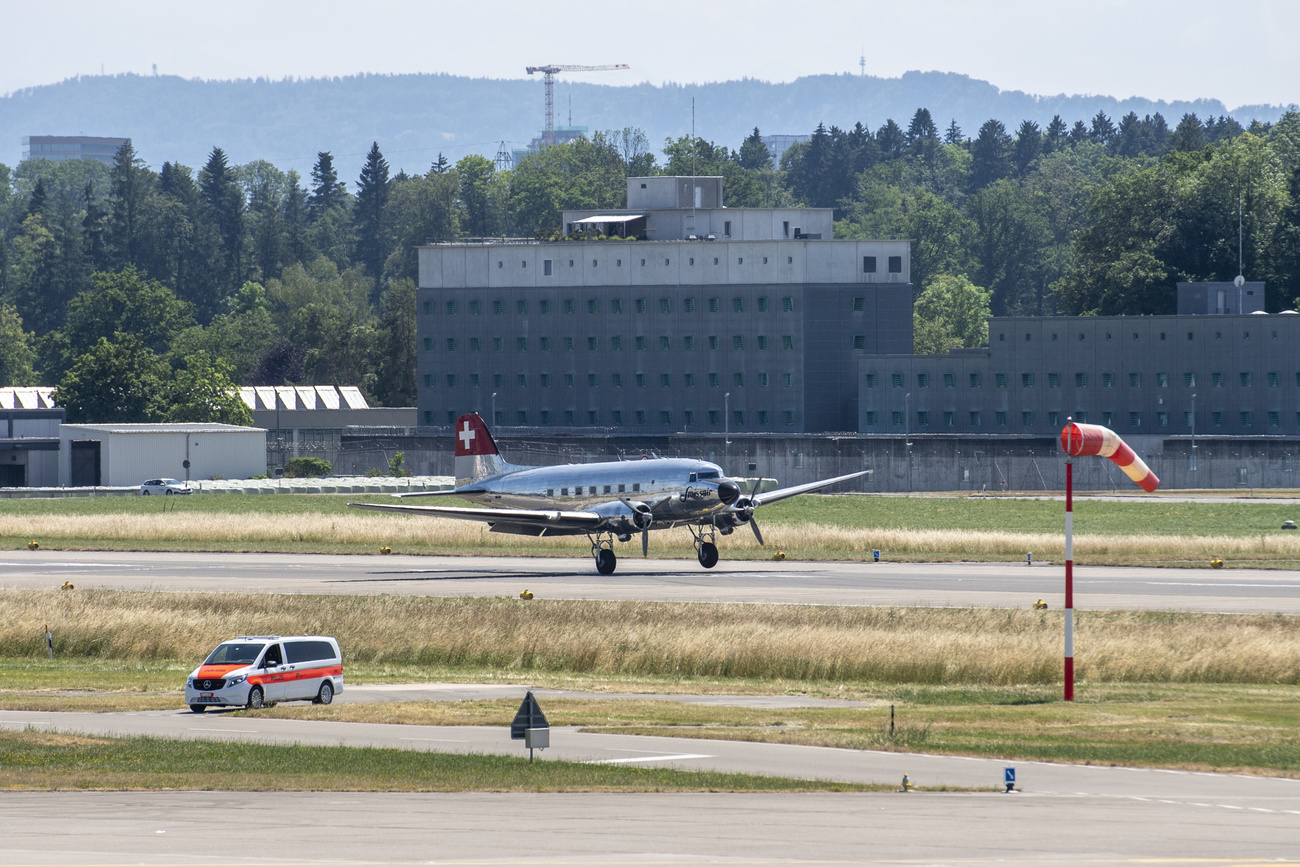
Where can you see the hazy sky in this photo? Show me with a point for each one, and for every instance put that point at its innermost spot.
(1241, 52)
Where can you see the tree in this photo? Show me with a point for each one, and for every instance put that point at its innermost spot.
(33, 276)
(327, 192)
(121, 381)
(953, 135)
(203, 391)
(990, 154)
(131, 183)
(281, 363)
(577, 174)
(754, 154)
(329, 314)
(1189, 135)
(224, 202)
(1010, 239)
(423, 210)
(395, 362)
(1056, 136)
(1102, 130)
(952, 312)
(1029, 144)
(372, 234)
(475, 175)
(16, 353)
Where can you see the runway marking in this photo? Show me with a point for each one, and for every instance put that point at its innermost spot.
(628, 761)
(239, 731)
(436, 740)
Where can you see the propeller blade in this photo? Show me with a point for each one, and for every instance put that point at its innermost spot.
(645, 543)
(753, 525)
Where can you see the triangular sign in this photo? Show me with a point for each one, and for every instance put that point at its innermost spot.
(529, 716)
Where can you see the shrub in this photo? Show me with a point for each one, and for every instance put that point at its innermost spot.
(306, 468)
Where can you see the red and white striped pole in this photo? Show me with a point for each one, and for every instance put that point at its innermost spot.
(1069, 577)
(1079, 440)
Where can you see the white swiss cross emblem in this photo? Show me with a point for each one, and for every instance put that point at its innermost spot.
(466, 436)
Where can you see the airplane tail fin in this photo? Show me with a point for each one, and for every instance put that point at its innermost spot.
(477, 457)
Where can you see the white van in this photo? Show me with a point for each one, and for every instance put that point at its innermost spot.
(259, 670)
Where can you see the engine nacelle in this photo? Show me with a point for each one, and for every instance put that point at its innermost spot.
(740, 513)
(626, 517)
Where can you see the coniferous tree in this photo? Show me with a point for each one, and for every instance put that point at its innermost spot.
(990, 154)
(36, 204)
(953, 135)
(131, 183)
(369, 214)
(327, 192)
(1102, 130)
(1078, 133)
(224, 202)
(1056, 136)
(1029, 144)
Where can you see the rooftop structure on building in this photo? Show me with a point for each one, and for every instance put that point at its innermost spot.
(777, 145)
(58, 148)
(699, 317)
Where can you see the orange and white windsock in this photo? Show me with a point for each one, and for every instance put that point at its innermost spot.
(1080, 440)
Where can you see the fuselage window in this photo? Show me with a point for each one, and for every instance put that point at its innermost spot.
(564, 492)
(692, 478)
(636, 486)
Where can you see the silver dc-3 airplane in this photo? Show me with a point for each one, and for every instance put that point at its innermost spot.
(603, 501)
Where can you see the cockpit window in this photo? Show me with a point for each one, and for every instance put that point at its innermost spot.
(235, 653)
(708, 474)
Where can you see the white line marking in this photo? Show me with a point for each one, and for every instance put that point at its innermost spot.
(1231, 807)
(241, 731)
(435, 740)
(649, 759)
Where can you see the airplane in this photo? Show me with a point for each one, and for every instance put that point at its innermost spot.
(604, 501)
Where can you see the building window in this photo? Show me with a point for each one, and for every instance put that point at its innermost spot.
(640, 344)
(640, 380)
(713, 341)
(688, 416)
(738, 379)
(762, 380)
(616, 380)
(665, 380)
(428, 308)
(428, 344)
(1245, 379)
(737, 342)
(522, 379)
(544, 307)
(1081, 380)
(726, 230)
(715, 417)
(787, 379)
(714, 381)
(859, 305)
(451, 344)
(859, 341)
(1246, 419)
(895, 264)
(616, 305)
(543, 343)
(713, 305)
(521, 344)
(1053, 418)
(1000, 418)
(1162, 419)
(1026, 380)
(787, 341)
(545, 379)
(787, 416)
(762, 301)
(498, 380)
(546, 267)
(949, 418)
(738, 417)
(1274, 379)
(688, 380)
(1216, 380)
(688, 343)
(451, 380)
(593, 417)
(1189, 380)
(873, 380)
(763, 417)
(568, 416)
(665, 417)
(639, 305)
(1162, 380)
(521, 417)
(568, 305)
(1107, 418)
(451, 308)
(976, 380)
(1135, 419)
(787, 304)
(1108, 380)
(762, 341)
(1135, 380)
(1027, 418)
(498, 308)
(975, 418)
(568, 380)
(616, 343)
(593, 344)
(1216, 419)
(922, 418)
(1274, 419)
(897, 418)
(568, 344)
(896, 380)
(923, 380)
(1082, 417)
(521, 307)
(868, 264)
(688, 305)
(871, 418)
(665, 343)
(737, 305)
(473, 380)
(949, 380)
(428, 380)
(498, 344)
(593, 305)
(665, 305)
(999, 380)
(1053, 380)
(593, 380)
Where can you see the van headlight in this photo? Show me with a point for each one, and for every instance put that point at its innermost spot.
(236, 681)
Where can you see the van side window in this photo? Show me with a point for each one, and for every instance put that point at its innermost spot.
(308, 651)
(272, 656)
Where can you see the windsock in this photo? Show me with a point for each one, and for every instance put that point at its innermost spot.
(1080, 440)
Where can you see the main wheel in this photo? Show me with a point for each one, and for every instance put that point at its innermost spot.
(256, 699)
(326, 694)
(606, 561)
(198, 708)
(708, 555)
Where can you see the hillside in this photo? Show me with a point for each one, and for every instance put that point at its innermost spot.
(414, 117)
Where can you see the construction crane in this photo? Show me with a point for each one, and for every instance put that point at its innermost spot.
(550, 71)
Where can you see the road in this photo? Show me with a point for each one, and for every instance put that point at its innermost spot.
(1002, 585)
(1062, 813)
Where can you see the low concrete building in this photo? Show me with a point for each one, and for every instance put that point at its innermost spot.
(118, 455)
(313, 420)
(29, 437)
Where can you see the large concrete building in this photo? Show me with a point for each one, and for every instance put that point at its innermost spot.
(725, 320)
(58, 148)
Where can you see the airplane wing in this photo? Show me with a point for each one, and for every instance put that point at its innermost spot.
(784, 493)
(528, 522)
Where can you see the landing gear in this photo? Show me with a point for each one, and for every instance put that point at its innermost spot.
(602, 548)
(705, 549)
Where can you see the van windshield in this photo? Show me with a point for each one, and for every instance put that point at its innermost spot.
(235, 652)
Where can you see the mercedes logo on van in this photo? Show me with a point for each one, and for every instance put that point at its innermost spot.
(207, 684)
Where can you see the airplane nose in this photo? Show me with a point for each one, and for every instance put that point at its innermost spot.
(728, 491)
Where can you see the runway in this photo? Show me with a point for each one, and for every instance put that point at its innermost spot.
(1064, 813)
(999, 585)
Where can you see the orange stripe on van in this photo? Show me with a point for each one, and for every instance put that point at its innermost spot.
(217, 670)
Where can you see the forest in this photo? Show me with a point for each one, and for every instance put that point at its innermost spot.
(147, 294)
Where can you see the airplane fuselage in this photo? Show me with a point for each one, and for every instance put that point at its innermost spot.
(674, 488)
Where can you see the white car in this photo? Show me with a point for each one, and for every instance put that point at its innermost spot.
(164, 486)
(254, 671)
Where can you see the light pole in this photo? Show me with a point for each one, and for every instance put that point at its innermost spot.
(726, 418)
(1192, 467)
(907, 436)
(494, 407)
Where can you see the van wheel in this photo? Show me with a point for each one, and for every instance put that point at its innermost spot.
(326, 694)
(256, 699)
(198, 708)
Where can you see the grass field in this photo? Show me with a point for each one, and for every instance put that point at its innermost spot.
(810, 527)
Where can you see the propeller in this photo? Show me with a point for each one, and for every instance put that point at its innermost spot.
(753, 525)
(645, 543)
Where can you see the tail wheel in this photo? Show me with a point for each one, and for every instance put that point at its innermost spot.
(326, 694)
(605, 561)
(708, 555)
(256, 698)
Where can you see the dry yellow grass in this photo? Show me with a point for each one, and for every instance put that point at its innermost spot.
(804, 539)
(894, 645)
